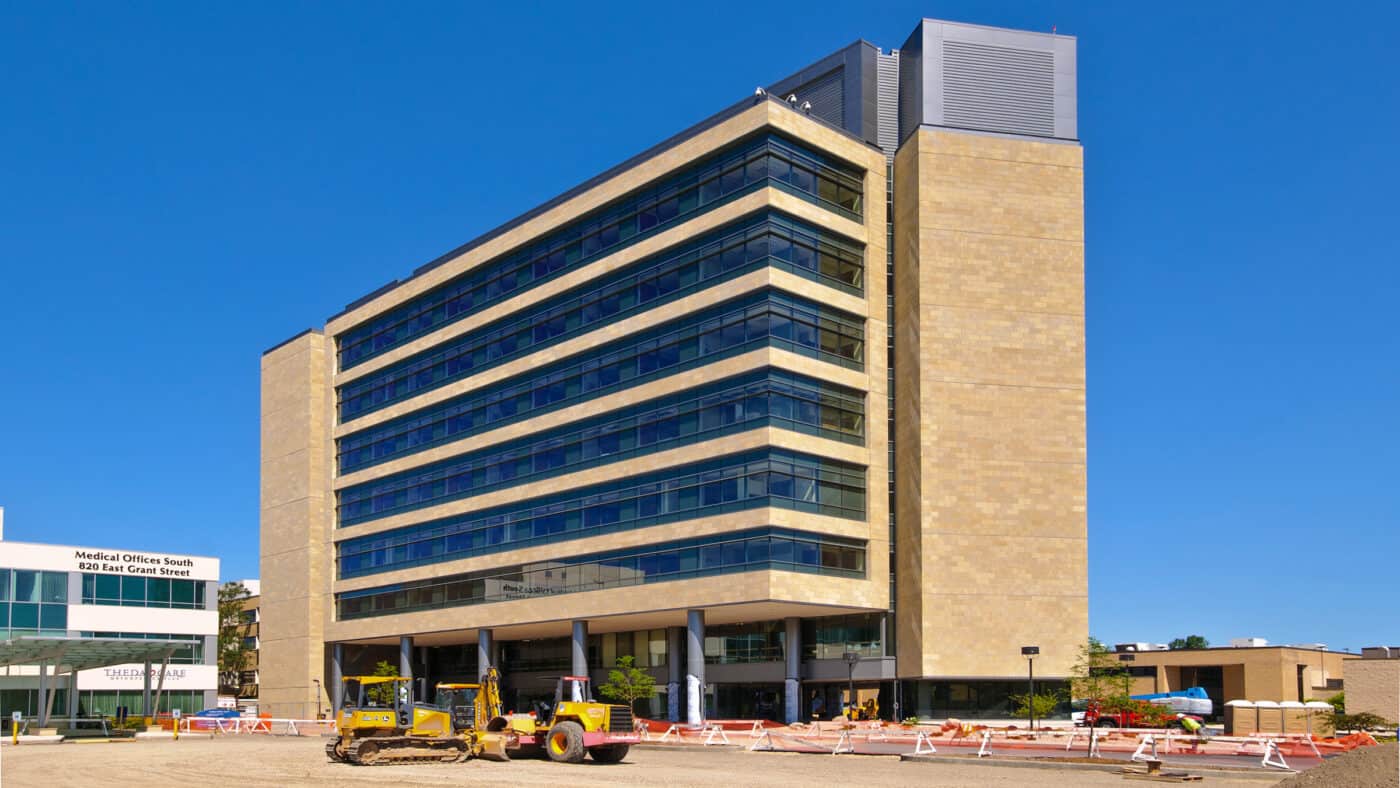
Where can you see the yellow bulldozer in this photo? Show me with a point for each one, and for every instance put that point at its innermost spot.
(380, 722)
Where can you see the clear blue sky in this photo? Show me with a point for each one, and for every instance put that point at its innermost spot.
(185, 185)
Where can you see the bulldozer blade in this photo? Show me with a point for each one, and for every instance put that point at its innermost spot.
(492, 747)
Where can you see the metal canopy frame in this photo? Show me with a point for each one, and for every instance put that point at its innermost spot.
(70, 655)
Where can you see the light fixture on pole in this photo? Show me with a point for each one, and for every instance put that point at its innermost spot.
(1030, 653)
(850, 658)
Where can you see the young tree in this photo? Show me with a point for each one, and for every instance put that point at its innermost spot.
(627, 683)
(1098, 675)
(1043, 703)
(233, 655)
(382, 694)
(1190, 641)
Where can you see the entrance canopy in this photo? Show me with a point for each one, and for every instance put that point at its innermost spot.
(70, 654)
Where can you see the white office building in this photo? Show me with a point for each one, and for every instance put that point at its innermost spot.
(85, 630)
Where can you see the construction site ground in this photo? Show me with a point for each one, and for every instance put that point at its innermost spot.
(247, 761)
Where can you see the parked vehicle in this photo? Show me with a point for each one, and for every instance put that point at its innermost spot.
(1191, 703)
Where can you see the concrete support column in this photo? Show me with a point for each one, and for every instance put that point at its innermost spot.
(694, 667)
(675, 669)
(792, 675)
(406, 657)
(484, 643)
(43, 710)
(146, 710)
(578, 648)
(72, 694)
(337, 678)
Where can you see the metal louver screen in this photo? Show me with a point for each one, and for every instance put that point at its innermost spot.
(887, 102)
(827, 94)
(996, 88)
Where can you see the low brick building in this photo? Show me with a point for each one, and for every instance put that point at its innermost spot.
(1373, 683)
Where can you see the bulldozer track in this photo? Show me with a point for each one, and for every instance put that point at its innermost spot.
(383, 750)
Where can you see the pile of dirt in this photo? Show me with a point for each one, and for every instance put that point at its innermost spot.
(1365, 767)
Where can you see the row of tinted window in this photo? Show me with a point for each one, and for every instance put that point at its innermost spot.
(664, 423)
(766, 160)
(572, 381)
(746, 551)
(768, 241)
(33, 602)
(132, 591)
(402, 437)
(191, 653)
(779, 319)
(748, 481)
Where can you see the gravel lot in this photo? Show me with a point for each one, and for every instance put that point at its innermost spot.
(246, 761)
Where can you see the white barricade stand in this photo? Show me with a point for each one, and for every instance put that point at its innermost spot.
(757, 729)
(923, 745)
(759, 743)
(713, 731)
(844, 741)
(1147, 741)
(985, 751)
(1273, 757)
(675, 728)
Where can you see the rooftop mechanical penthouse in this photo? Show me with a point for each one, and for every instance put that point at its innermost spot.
(799, 385)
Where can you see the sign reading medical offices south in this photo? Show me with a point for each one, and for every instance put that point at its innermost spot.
(60, 558)
(133, 564)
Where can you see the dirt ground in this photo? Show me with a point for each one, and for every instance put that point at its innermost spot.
(247, 761)
(1367, 767)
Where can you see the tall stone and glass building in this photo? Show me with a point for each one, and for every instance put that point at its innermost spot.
(800, 384)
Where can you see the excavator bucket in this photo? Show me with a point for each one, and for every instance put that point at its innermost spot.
(492, 747)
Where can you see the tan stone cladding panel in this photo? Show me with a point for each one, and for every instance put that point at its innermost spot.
(1004, 348)
(1000, 564)
(977, 188)
(709, 141)
(702, 592)
(1012, 273)
(294, 520)
(980, 633)
(908, 416)
(991, 421)
(967, 422)
(1011, 498)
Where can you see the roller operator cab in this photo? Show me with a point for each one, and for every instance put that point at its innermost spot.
(576, 725)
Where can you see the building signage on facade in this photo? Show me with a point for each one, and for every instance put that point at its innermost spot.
(58, 558)
(132, 563)
(129, 677)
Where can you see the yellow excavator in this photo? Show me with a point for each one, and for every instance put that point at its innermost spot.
(381, 723)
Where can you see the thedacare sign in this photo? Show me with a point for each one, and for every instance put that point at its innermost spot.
(58, 558)
(130, 677)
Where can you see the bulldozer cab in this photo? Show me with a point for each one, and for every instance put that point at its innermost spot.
(460, 701)
(377, 702)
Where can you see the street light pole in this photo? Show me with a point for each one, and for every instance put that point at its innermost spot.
(318, 698)
(1030, 653)
(851, 659)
